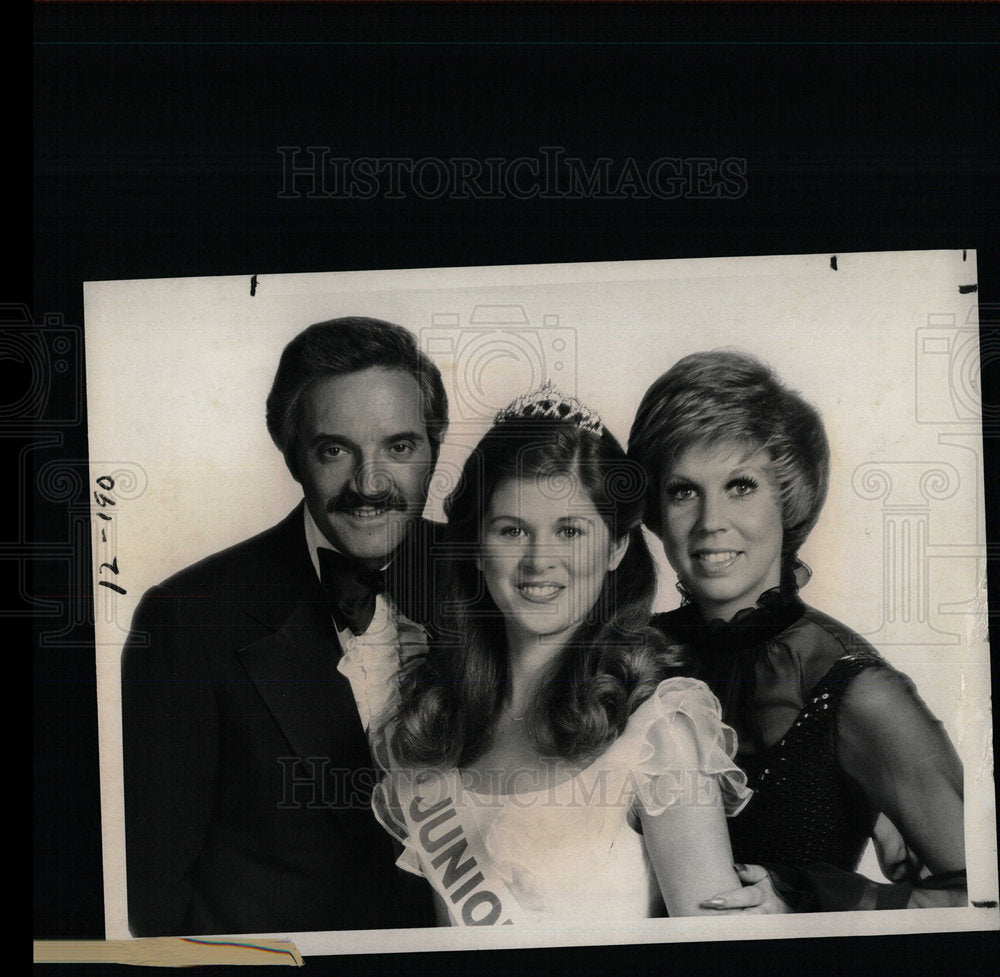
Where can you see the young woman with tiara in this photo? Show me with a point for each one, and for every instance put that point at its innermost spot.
(547, 762)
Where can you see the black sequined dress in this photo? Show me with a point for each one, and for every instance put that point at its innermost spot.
(821, 768)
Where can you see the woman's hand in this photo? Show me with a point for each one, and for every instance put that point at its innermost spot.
(757, 895)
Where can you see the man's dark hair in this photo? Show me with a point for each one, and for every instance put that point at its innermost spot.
(341, 346)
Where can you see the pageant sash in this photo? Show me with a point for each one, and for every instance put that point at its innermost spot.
(452, 851)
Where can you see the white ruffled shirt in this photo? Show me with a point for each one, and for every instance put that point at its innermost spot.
(371, 661)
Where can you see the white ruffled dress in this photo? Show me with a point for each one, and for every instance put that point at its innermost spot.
(573, 850)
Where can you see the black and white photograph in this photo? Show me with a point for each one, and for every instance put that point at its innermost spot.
(529, 606)
(508, 487)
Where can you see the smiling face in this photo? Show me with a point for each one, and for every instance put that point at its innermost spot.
(545, 560)
(364, 459)
(722, 529)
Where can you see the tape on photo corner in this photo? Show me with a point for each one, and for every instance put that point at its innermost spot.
(170, 951)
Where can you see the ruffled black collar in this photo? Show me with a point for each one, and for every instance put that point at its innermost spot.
(750, 628)
(725, 654)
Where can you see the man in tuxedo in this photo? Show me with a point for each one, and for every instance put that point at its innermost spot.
(249, 679)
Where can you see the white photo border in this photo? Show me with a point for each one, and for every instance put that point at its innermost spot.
(885, 344)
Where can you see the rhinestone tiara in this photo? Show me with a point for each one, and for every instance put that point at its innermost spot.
(547, 402)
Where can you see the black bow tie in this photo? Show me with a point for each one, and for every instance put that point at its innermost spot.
(352, 589)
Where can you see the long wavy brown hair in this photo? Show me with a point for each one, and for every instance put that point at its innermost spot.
(452, 698)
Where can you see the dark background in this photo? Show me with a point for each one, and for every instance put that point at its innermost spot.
(156, 127)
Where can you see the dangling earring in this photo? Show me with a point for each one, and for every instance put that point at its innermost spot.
(685, 592)
(796, 576)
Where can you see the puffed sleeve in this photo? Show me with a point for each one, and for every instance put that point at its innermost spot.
(685, 749)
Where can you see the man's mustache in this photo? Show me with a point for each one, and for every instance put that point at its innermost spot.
(349, 500)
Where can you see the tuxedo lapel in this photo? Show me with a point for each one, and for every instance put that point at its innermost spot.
(295, 668)
(279, 572)
(295, 672)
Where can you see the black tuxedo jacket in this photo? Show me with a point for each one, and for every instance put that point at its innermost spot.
(247, 772)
